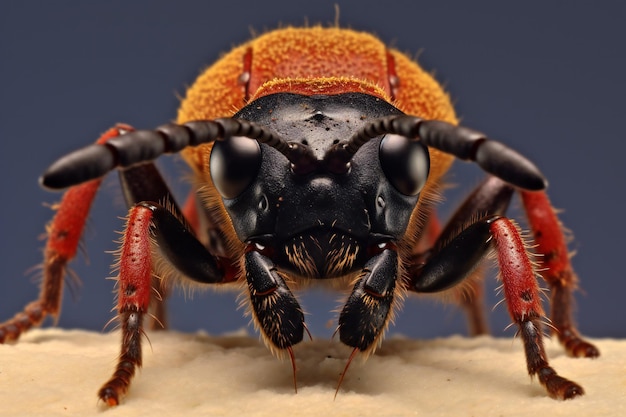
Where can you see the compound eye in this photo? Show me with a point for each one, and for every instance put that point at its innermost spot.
(405, 162)
(234, 164)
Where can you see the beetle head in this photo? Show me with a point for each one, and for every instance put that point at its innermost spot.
(321, 215)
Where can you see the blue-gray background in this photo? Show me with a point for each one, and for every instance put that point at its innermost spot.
(545, 77)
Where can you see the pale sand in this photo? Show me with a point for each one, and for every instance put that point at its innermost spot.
(57, 373)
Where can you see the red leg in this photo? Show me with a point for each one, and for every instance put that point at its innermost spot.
(64, 233)
(154, 232)
(557, 271)
(134, 287)
(523, 299)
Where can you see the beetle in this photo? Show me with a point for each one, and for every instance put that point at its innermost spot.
(318, 155)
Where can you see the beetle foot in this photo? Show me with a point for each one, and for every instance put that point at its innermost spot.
(558, 387)
(129, 360)
(33, 315)
(109, 396)
(576, 346)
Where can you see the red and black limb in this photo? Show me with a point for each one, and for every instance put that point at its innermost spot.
(157, 229)
(63, 237)
(478, 227)
(153, 230)
(455, 254)
(557, 271)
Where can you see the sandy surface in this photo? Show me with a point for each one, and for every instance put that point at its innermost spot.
(57, 373)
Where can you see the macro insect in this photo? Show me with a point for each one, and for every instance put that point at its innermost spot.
(317, 154)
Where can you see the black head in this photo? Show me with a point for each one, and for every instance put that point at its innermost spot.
(323, 215)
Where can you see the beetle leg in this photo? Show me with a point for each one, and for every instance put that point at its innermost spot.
(183, 251)
(460, 247)
(153, 231)
(145, 183)
(492, 196)
(134, 286)
(208, 233)
(470, 297)
(158, 303)
(557, 271)
(522, 295)
(64, 233)
(452, 263)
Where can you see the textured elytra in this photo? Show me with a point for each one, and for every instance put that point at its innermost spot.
(357, 56)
